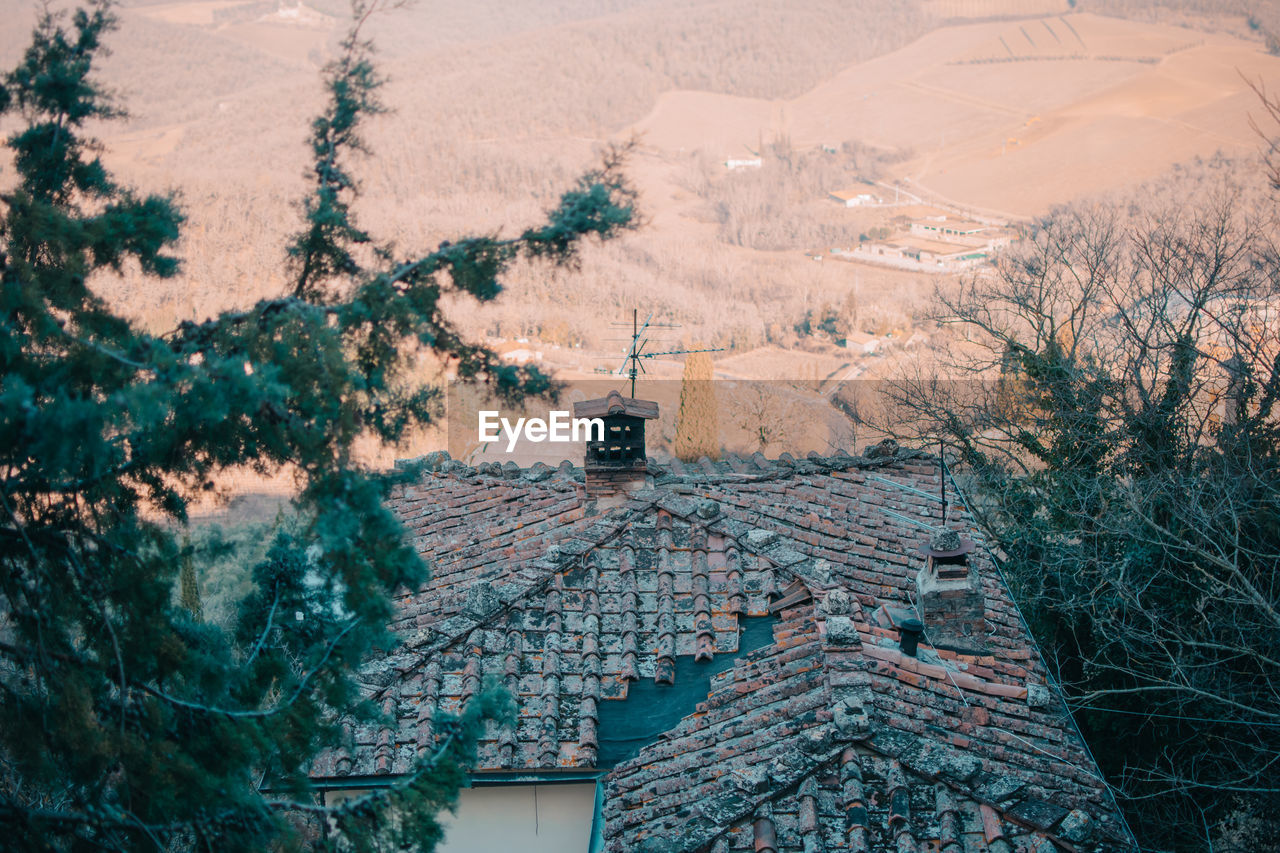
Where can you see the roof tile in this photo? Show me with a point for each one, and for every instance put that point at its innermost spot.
(827, 735)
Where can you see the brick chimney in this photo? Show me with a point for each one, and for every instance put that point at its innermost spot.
(618, 463)
(951, 601)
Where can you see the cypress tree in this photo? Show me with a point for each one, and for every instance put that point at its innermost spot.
(125, 724)
(697, 424)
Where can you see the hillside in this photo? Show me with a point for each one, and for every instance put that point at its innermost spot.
(1012, 116)
(497, 106)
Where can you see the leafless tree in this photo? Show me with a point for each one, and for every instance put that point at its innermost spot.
(1115, 425)
(761, 409)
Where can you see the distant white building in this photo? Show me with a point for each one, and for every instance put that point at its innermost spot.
(519, 352)
(862, 342)
(916, 254)
(942, 228)
(855, 198)
(751, 163)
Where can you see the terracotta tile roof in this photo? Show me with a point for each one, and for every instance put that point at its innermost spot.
(828, 737)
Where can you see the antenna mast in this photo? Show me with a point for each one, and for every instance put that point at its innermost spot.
(631, 361)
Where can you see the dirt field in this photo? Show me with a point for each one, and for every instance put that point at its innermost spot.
(1012, 116)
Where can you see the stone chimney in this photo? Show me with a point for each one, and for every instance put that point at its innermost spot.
(951, 601)
(617, 463)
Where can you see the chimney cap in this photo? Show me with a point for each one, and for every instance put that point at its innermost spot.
(615, 404)
(910, 630)
(946, 543)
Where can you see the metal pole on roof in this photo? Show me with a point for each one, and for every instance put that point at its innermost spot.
(942, 458)
(635, 335)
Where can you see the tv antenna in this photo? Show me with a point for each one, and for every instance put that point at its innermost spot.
(632, 365)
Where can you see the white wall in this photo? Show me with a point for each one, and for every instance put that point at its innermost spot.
(522, 819)
(514, 818)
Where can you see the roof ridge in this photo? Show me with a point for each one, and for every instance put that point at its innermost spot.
(730, 467)
(852, 674)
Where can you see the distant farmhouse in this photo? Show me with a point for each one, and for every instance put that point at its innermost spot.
(519, 351)
(942, 228)
(862, 342)
(933, 243)
(747, 163)
(914, 253)
(855, 198)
